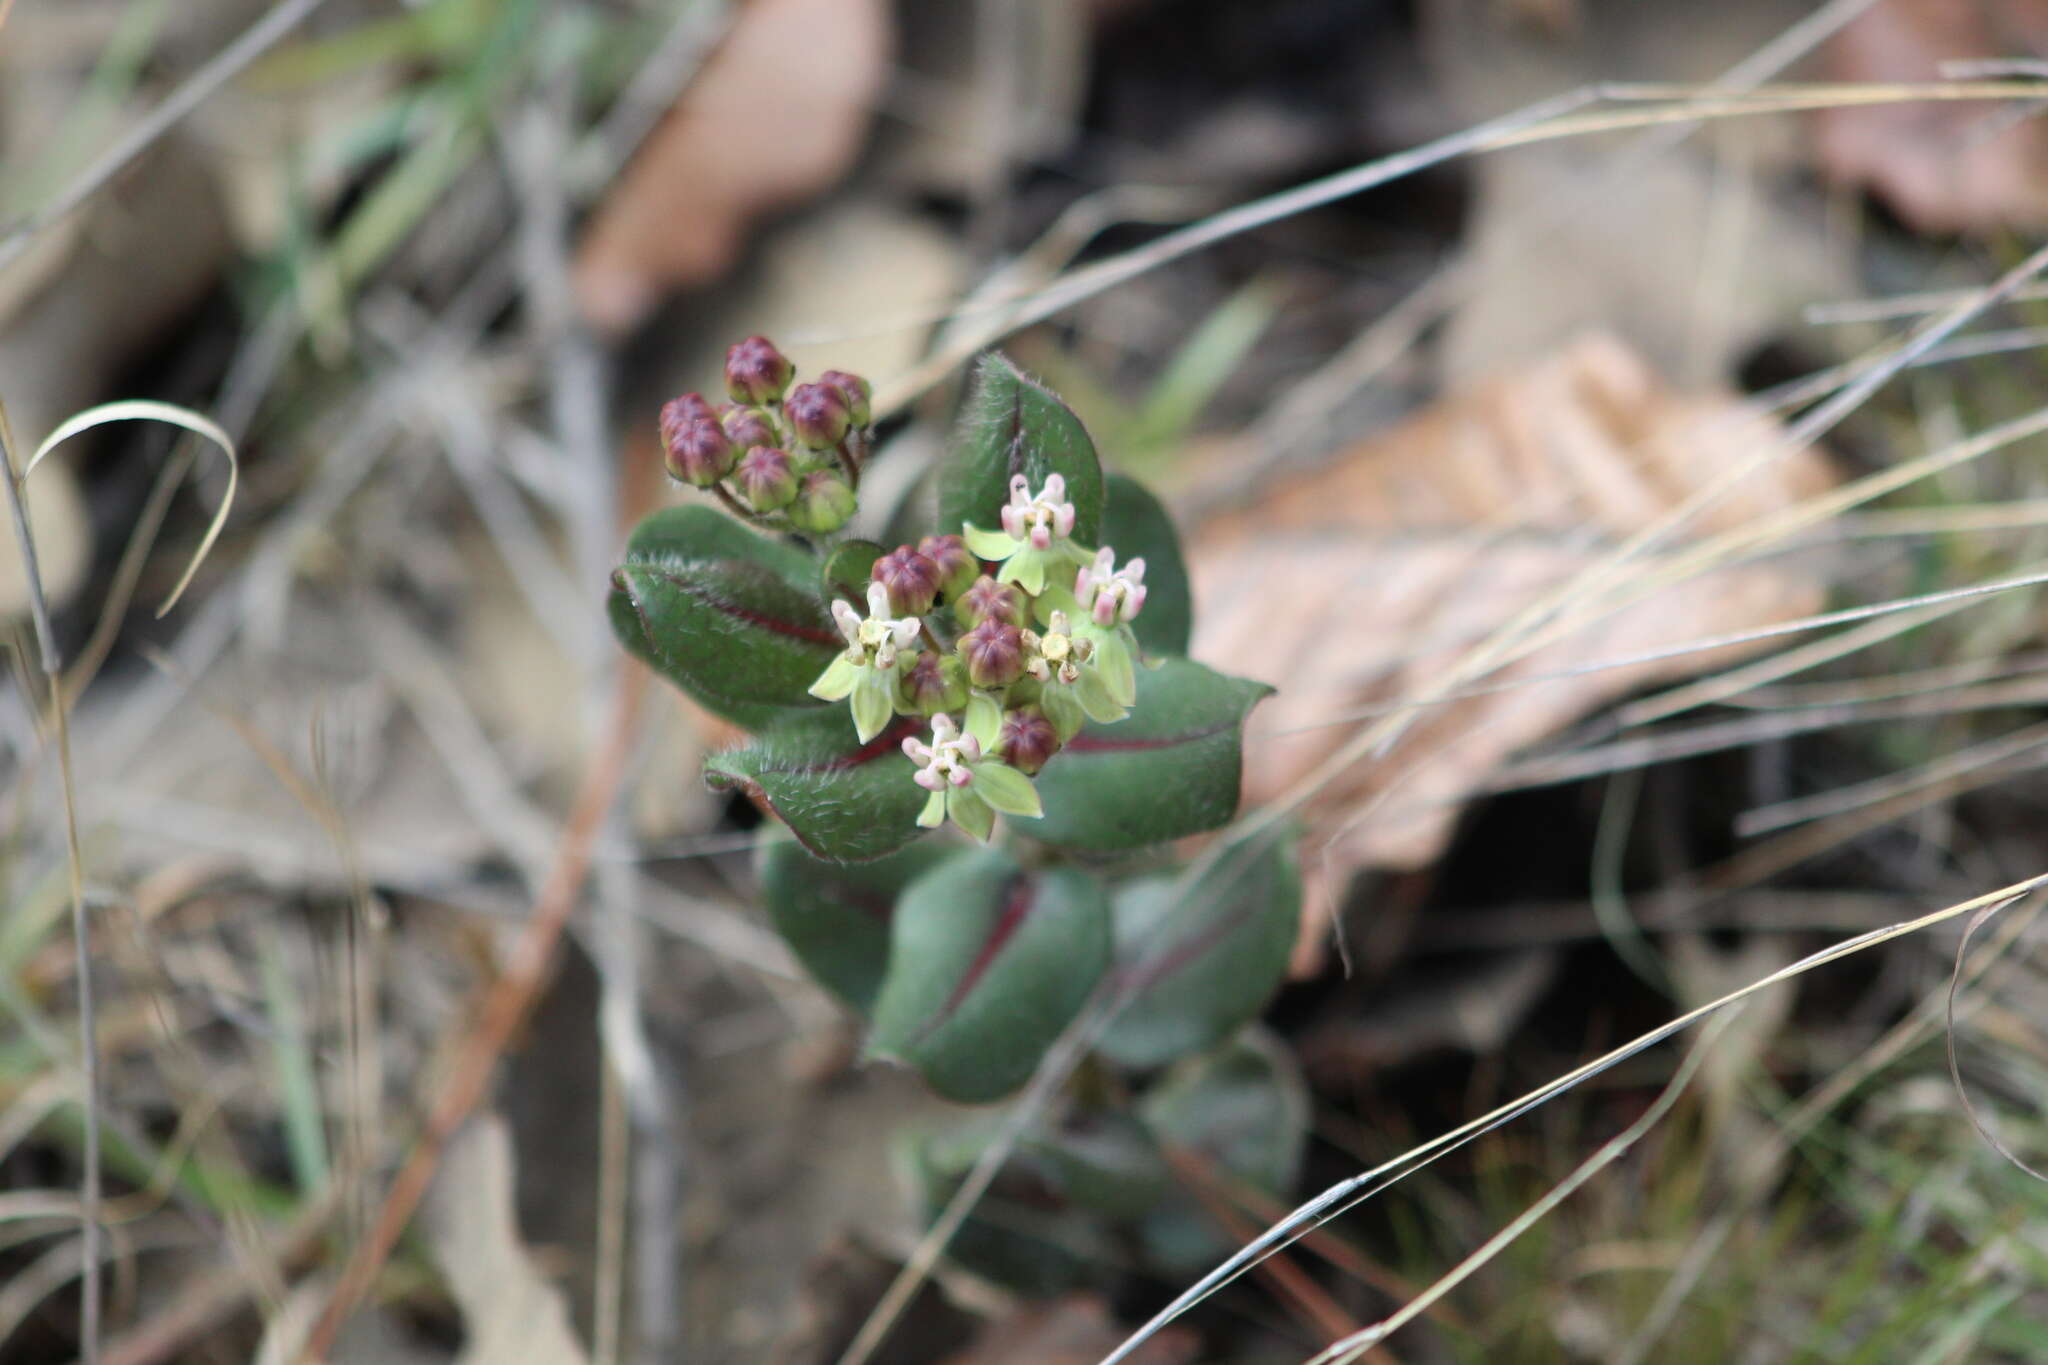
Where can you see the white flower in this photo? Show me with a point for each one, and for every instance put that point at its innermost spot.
(1111, 596)
(1036, 520)
(878, 638)
(946, 761)
(868, 669)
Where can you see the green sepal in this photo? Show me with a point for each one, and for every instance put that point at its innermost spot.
(984, 719)
(987, 964)
(1169, 769)
(835, 916)
(1136, 526)
(1011, 424)
(1203, 960)
(730, 617)
(845, 801)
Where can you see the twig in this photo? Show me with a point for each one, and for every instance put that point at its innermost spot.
(505, 1004)
(90, 1284)
(257, 39)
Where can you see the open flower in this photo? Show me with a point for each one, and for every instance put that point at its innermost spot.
(1111, 596)
(1072, 686)
(877, 651)
(1037, 535)
(964, 784)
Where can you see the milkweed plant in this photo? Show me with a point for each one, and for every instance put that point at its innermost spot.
(988, 747)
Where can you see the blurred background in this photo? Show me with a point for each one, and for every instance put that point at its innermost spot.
(1581, 391)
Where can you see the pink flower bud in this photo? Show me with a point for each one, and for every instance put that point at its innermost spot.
(698, 453)
(912, 581)
(855, 390)
(818, 414)
(987, 600)
(1026, 740)
(958, 568)
(755, 372)
(934, 683)
(994, 654)
(765, 478)
(678, 413)
(747, 427)
(823, 503)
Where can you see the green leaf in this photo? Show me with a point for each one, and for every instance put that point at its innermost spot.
(986, 965)
(1024, 1232)
(835, 916)
(1203, 960)
(845, 801)
(1171, 768)
(1244, 1109)
(1013, 425)
(1102, 1159)
(732, 618)
(1137, 526)
(848, 570)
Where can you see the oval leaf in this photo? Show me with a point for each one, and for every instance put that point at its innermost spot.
(1023, 1233)
(1013, 425)
(1203, 960)
(1136, 525)
(1169, 769)
(1243, 1109)
(986, 965)
(732, 618)
(835, 916)
(845, 801)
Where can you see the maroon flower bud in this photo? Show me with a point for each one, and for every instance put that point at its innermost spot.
(934, 683)
(678, 413)
(987, 600)
(747, 427)
(912, 581)
(818, 414)
(958, 568)
(755, 372)
(855, 390)
(765, 478)
(823, 503)
(1026, 740)
(698, 453)
(994, 654)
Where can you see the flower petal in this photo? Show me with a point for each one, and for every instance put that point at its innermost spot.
(934, 813)
(1008, 790)
(971, 813)
(990, 545)
(874, 701)
(837, 680)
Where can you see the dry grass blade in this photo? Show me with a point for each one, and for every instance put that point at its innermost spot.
(146, 410)
(236, 57)
(498, 1017)
(1353, 1347)
(1955, 1070)
(1349, 1193)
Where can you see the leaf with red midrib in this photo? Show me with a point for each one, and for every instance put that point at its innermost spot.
(731, 617)
(1167, 770)
(987, 964)
(845, 801)
(836, 916)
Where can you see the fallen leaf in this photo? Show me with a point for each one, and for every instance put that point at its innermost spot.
(777, 114)
(511, 1314)
(1076, 1329)
(1363, 582)
(1942, 167)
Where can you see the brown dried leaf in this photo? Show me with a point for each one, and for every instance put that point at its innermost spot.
(777, 114)
(1943, 167)
(1364, 582)
(1076, 1329)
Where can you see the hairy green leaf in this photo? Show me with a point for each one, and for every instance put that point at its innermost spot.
(1203, 960)
(1137, 526)
(1014, 425)
(845, 801)
(732, 618)
(987, 964)
(1171, 768)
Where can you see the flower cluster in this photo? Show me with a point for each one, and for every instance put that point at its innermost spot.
(1008, 666)
(786, 456)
